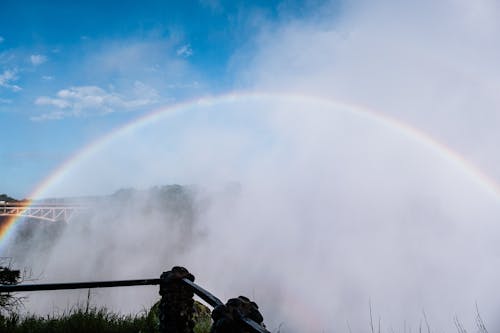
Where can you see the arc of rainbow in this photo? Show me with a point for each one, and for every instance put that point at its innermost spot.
(416, 135)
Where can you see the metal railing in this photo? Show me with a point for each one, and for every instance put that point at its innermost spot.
(51, 213)
(177, 289)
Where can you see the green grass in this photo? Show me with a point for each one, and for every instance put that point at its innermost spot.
(78, 321)
(95, 320)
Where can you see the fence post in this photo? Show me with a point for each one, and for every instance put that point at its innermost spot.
(239, 315)
(176, 304)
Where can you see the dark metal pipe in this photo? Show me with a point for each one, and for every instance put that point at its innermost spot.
(77, 285)
(199, 291)
(203, 294)
(252, 325)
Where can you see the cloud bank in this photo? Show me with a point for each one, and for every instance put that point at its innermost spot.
(85, 100)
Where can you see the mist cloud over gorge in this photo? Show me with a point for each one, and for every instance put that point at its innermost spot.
(109, 239)
(334, 208)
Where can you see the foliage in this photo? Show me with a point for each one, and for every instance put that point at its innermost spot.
(8, 276)
(78, 320)
(202, 317)
(96, 320)
(6, 198)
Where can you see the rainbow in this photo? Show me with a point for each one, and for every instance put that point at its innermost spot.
(474, 173)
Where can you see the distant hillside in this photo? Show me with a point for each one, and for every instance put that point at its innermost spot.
(5, 197)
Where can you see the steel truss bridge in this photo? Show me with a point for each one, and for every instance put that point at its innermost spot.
(45, 212)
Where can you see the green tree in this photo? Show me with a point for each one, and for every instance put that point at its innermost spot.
(8, 276)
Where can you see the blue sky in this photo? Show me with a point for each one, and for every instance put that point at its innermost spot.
(71, 72)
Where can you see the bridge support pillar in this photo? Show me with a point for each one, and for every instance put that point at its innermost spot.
(176, 304)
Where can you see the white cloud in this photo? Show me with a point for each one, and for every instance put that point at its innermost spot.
(37, 59)
(54, 115)
(185, 51)
(85, 100)
(123, 73)
(59, 103)
(146, 93)
(7, 78)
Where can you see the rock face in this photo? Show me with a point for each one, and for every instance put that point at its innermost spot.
(176, 304)
(201, 317)
(226, 316)
(177, 312)
(221, 320)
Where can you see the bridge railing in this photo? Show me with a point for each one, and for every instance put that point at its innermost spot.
(176, 309)
(48, 212)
